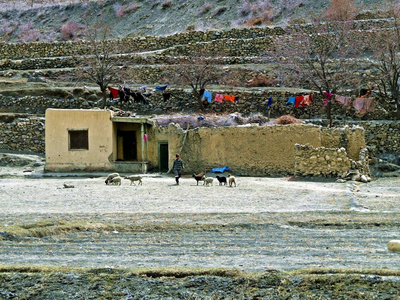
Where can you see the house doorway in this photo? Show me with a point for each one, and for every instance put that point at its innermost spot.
(126, 145)
(163, 156)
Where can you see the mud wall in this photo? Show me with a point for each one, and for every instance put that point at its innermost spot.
(253, 150)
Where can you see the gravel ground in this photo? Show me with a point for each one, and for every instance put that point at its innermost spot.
(263, 224)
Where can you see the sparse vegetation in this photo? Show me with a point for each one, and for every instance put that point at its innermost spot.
(71, 30)
(287, 119)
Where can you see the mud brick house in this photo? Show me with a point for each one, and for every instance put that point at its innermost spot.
(98, 140)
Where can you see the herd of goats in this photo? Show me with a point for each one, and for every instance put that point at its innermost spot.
(116, 179)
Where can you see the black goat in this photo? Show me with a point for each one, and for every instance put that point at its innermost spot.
(221, 180)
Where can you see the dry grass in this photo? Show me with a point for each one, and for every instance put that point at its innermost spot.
(210, 120)
(287, 119)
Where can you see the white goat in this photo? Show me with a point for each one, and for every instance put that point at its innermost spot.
(232, 180)
(208, 181)
(110, 177)
(116, 180)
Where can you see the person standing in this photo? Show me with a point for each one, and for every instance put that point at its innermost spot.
(177, 167)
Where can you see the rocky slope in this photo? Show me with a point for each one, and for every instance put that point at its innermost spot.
(23, 22)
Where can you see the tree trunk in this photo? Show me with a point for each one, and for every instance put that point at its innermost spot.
(398, 109)
(104, 93)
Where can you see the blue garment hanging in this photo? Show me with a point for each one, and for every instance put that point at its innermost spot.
(207, 95)
(269, 103)
(291, 101)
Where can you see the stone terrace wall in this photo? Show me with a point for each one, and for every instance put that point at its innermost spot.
(250, 101)
(24, 133)
(150, 43)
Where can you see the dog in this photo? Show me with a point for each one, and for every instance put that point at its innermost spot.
(222, 180)
(134, 178)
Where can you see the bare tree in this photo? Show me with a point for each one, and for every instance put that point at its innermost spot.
(100, 65)
(386, 50)
(317, 57)
(198, 72)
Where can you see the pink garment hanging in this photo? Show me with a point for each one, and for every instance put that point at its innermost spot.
(328, 97)
(219, 98)
(364, 105)
(145, 137)
(306, 100)
(346, 101)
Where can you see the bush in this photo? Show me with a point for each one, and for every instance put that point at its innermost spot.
(28, 34)
(260, 80)
(287, 119)
(70, 30)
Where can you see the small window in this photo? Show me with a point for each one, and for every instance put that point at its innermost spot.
(78, 140)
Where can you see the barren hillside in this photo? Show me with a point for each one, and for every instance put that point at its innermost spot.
(58, 20)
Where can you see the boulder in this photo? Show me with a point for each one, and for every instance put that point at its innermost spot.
(394, 245)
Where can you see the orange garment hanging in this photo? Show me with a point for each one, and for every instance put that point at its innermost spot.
(229, 98)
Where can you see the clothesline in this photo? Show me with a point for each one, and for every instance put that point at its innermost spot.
(362, 104)
(207, 95)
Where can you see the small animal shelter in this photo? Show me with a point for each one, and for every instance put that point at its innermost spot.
(99, 140)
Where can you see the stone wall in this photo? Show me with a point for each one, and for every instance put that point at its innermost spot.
(321, 161)
(22, 133)
(149, 43)
(331, 162)
(250, 101)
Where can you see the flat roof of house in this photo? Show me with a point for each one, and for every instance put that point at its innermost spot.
(135, 120)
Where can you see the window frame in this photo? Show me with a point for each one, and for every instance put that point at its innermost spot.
(79, 146)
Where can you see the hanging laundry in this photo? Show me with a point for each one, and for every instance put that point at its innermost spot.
(166, 96)
(269, 103)
(364, 105)
(306, 100)
(229, 98)
(114, 92)
(328, 97)
(346, 101)
(298, 100)
(161, 88)
(145, 137)
(364, 93)
(291, 101)
(219, 98)
(207, 95)
(201, 92)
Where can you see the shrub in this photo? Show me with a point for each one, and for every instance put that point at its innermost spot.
(206, 8)
(166, 4)
(260, 80)
(28, 34)
(341, 10)
(70, 30)
(287, 119)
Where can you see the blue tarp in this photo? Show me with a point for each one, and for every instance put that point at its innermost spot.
(161, 88)
(220, 170)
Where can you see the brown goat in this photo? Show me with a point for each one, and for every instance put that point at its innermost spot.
(199, 177)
